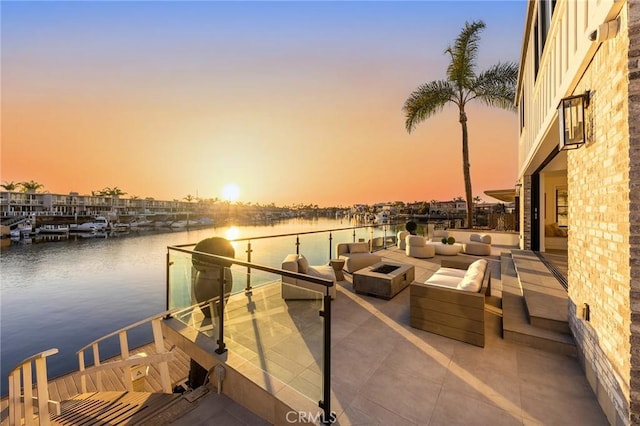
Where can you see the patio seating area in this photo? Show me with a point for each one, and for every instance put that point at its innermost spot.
(386, 372)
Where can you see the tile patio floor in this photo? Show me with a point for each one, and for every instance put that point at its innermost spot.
(386, 373)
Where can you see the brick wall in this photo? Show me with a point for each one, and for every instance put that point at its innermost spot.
(603, 241)
(634, 205)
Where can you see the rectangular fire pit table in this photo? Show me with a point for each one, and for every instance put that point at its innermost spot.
(383, 279)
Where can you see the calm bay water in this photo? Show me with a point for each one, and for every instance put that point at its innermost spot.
(67, 294)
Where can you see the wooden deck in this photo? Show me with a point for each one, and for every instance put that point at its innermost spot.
(116, 408)
(66, 387)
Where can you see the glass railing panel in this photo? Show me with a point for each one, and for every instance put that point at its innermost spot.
(267, 251)
(179, 279)
(277, 329)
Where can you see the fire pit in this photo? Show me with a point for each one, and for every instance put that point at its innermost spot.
(384, 279)
(385, 268)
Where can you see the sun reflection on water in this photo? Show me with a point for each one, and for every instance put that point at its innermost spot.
(232, 233)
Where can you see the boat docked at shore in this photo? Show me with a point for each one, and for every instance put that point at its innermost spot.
(54, 228)
(178, 224)
(100, 223)
(21, 230)
(141, 222)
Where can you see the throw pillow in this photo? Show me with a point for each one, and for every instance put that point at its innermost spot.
(475, 238)
(303, 264)
(478, 266)
(472, 282)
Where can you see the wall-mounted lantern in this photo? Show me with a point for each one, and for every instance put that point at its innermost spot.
(571, 120)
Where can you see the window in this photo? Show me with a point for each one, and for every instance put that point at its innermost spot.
(541, 29)
(562, 206)
(522, 111)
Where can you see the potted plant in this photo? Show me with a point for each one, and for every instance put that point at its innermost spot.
(411, 227)
(451, 241)
(206, 271)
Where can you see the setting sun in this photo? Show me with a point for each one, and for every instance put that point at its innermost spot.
(230, 192)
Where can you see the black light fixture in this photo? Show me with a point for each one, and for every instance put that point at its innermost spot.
(571, 121)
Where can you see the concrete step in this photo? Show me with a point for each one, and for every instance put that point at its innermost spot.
(546, 301)
(515, 321)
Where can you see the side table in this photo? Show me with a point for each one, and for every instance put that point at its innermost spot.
(337, 265)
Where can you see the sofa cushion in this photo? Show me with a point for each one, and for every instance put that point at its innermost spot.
(452, 272)
(415, 241)
(471, 283)
(475, 238)
(324, 271)
(303, 264)
(485, 238)
(472, 280)
(443, 280)
(358, 248)
(479, 265)
(477, 249)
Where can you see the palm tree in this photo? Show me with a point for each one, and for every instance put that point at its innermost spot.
(10, 186)
(114, 192)
(493, 87)
(31, 186)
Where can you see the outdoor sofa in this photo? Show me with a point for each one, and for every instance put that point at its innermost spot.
(478, 244)
(356, 256)
(296, 288)
(451, 302)
(418, 247)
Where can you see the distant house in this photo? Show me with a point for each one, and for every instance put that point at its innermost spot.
(447, 207)
(578, 97)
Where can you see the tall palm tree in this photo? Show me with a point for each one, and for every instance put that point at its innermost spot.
(493, 87)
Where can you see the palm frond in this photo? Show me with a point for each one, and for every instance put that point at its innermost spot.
(496, 86)
(463, 54)
(427, 100)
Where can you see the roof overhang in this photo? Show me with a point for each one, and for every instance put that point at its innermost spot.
(504, 195)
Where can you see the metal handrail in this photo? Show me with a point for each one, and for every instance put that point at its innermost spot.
(222, 260)
(293, 234)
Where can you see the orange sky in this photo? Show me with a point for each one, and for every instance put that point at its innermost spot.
(306, 113)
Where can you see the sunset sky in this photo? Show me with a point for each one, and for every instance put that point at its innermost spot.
(295, 102)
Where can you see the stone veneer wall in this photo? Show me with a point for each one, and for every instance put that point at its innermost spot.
(603, 241)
